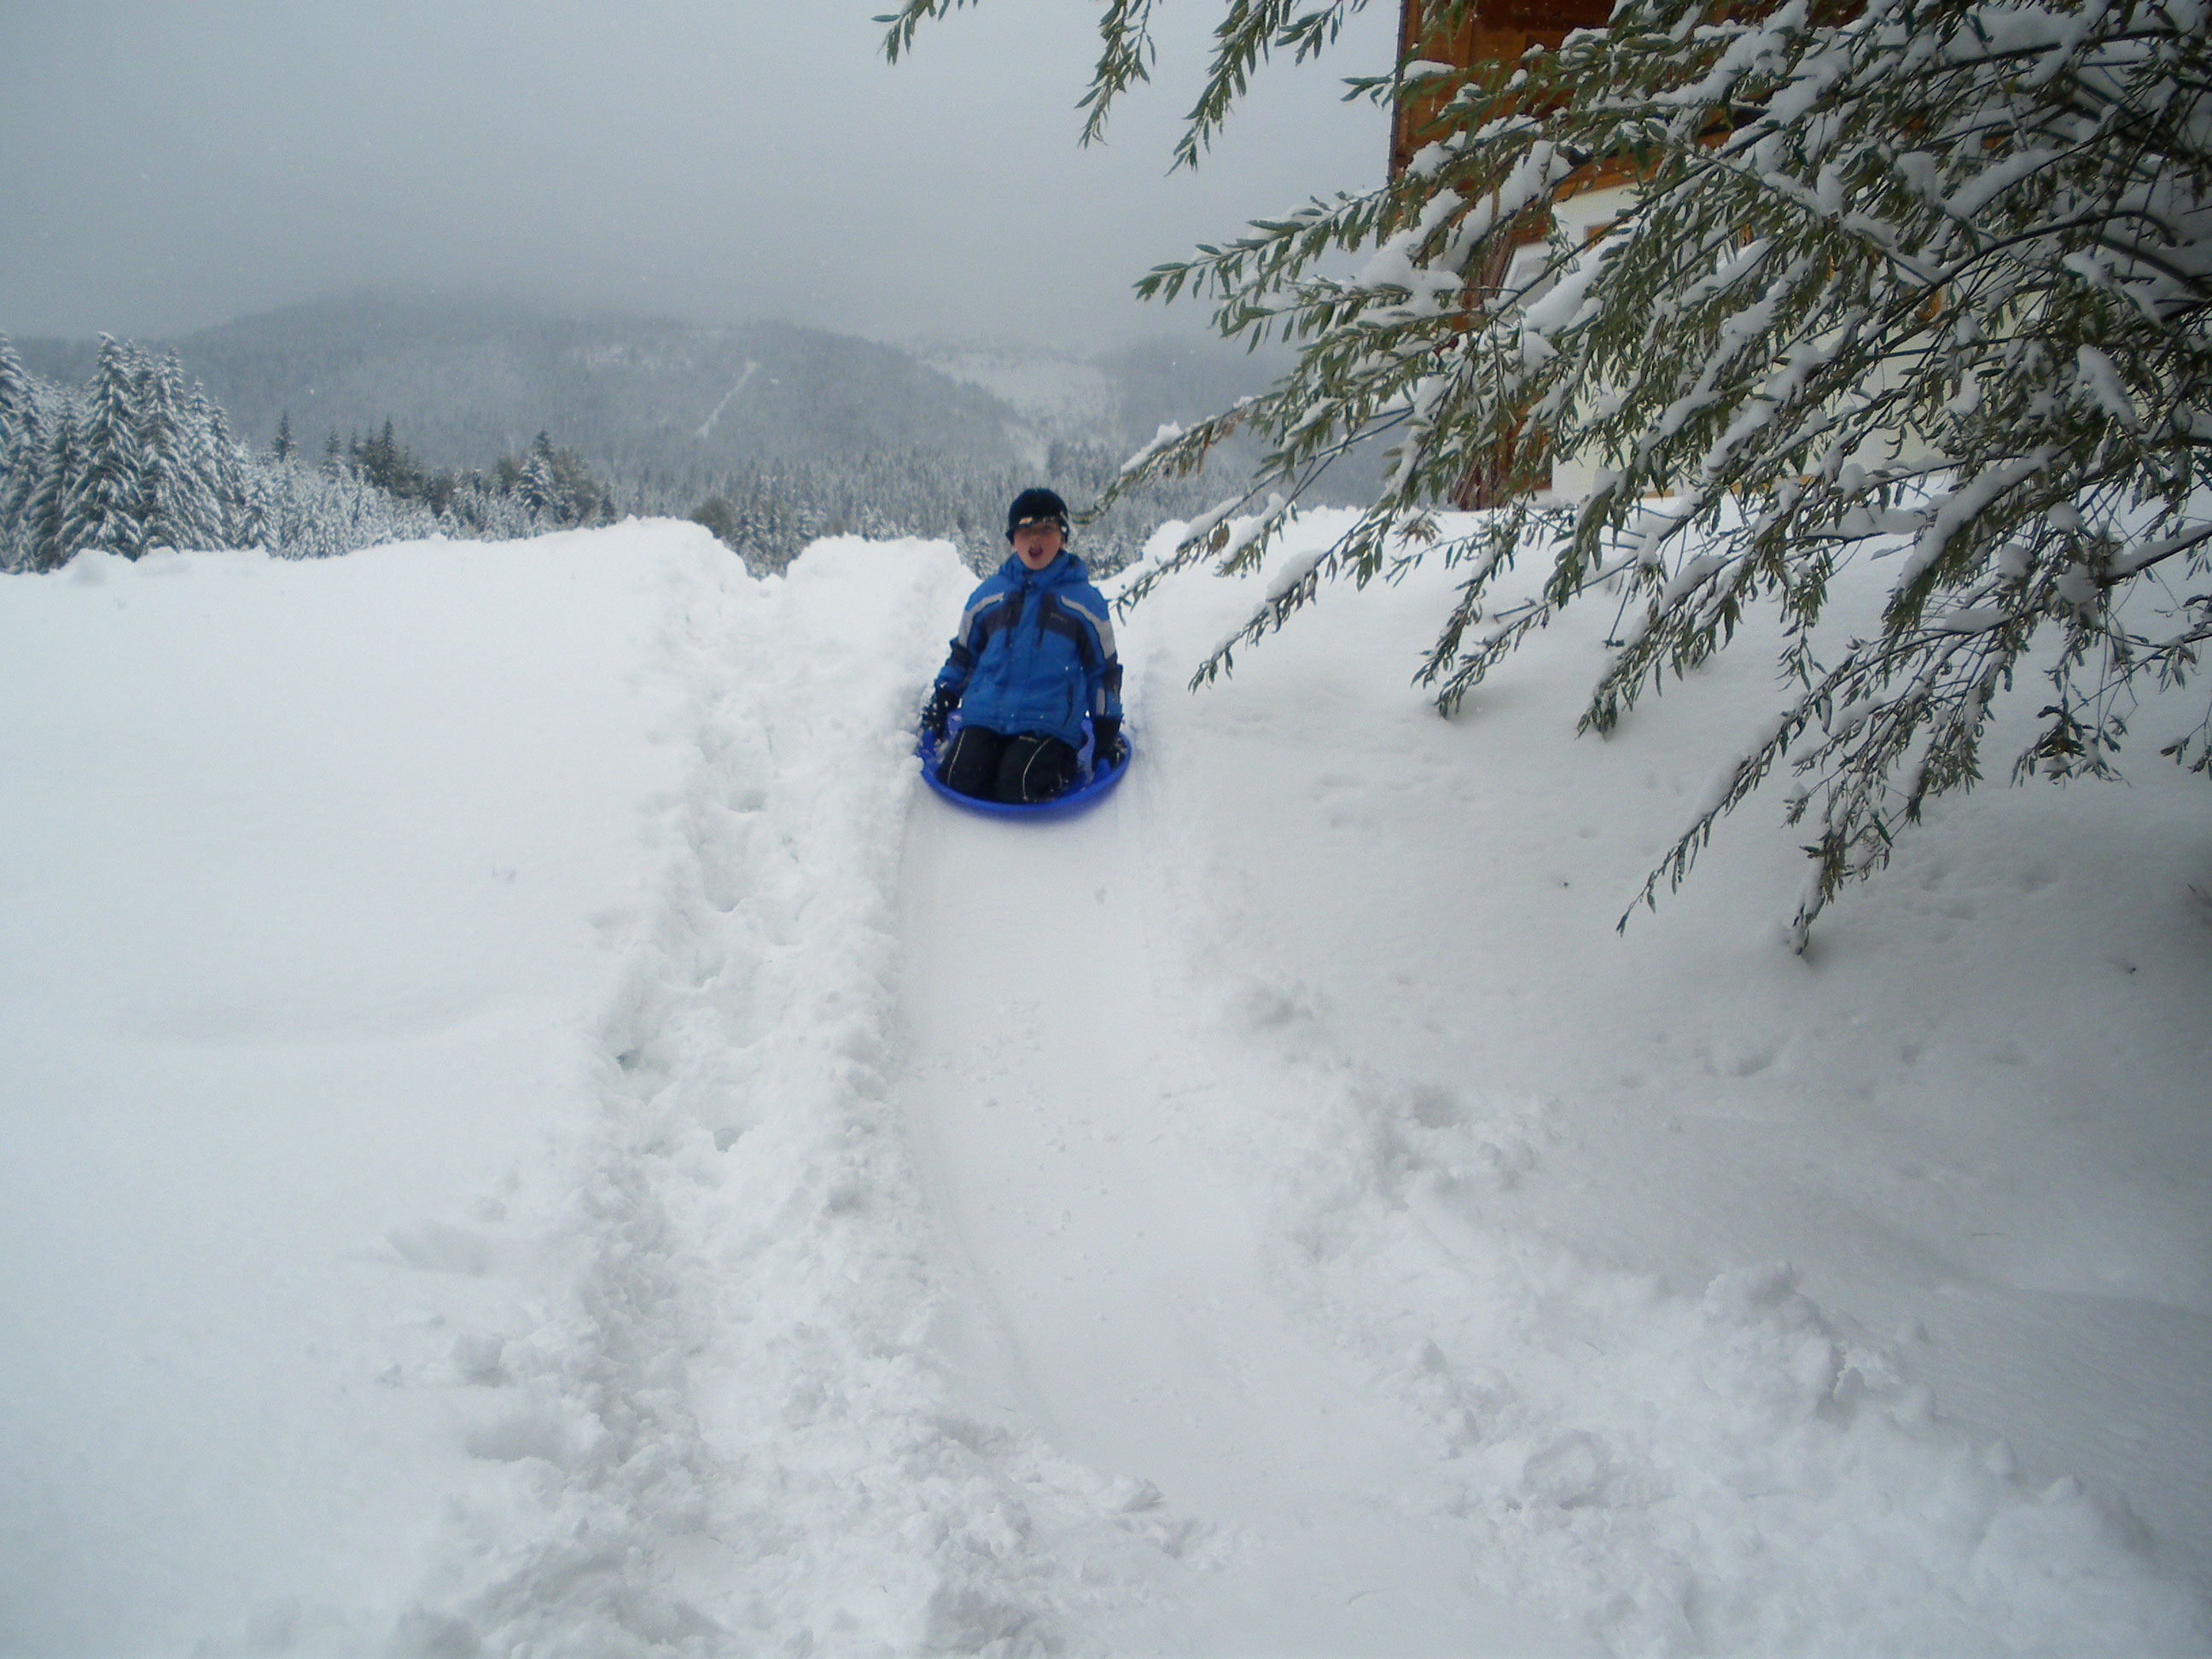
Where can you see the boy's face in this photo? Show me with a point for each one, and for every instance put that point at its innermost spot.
(1037, 544)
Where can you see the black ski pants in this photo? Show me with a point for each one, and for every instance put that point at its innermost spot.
(992, 766)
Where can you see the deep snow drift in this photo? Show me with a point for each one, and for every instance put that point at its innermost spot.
(530, 1131)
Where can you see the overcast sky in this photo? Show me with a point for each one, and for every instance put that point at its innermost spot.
(168, 166)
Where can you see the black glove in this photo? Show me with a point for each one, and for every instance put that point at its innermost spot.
(943, 699)
(1106, 745)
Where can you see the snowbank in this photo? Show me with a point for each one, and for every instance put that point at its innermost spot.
(1548, 1177)
(316, 874)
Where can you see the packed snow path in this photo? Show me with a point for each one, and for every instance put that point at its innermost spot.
(1114, 1297)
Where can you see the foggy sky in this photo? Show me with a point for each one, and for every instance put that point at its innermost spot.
(164, 167)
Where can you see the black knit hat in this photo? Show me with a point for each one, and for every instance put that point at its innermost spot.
(1036, 507)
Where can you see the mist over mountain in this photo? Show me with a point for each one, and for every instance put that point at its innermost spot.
(1120, 397)
(466, 379)
(769, 432)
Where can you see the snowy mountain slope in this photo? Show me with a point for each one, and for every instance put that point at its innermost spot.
(728, 1201)
(468, 379)
(1116, 400)
(1052, 395)
(1059, 393)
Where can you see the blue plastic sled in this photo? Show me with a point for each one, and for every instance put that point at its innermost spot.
(1085, 794)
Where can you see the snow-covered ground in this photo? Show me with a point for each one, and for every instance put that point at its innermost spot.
(530, 1132)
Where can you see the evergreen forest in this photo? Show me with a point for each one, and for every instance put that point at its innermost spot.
(353, 421)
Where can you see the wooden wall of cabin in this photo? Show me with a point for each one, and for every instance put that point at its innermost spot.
(1488, 31)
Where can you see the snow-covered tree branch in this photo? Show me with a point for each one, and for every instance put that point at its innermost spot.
(1924, 281)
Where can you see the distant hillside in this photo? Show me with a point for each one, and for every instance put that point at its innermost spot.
(774, 434)
(467, 379)
(1119, 398)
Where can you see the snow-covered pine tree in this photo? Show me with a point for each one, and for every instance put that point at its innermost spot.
(156, 399)
(251, 520)
(275, 492)
(538, 487)
(17, 400)
(22, 446)
(284, 447)
(1930, 276)
(177, 503)
(105, 504)
(45, 524)
(220, 463)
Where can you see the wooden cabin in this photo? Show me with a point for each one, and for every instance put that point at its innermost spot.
(1494, 31)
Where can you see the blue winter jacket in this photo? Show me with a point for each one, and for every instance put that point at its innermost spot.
(1035, 652)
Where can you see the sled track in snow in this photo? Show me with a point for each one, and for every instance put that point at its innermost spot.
(1115, 1293)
